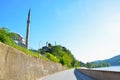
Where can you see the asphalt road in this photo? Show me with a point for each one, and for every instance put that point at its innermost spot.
(71, 74)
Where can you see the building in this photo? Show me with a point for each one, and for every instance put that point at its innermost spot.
(20, 40)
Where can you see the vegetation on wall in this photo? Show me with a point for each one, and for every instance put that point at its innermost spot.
(6, 37)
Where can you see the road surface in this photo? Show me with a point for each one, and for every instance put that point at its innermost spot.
(71, 74)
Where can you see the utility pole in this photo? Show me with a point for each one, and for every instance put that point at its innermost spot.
(39, 44)
(27, 31)
(55, 43)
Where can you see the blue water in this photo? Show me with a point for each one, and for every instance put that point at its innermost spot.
(111, 68)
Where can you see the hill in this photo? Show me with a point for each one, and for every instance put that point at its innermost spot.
(114, 61)
(61, 54)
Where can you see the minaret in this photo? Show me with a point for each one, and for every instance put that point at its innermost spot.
(28, 28)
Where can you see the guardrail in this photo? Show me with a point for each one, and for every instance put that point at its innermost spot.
(100, 74)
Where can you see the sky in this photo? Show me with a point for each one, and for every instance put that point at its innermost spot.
(90, 29)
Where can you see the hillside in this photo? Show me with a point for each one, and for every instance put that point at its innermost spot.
(61, 54)
(114, 61)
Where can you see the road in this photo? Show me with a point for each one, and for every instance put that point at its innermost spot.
(71, 74)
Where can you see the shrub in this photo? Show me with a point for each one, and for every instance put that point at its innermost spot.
(51, 57)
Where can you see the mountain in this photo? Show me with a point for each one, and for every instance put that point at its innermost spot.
(114, 61)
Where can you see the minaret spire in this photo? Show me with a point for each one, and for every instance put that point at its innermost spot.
(28, 28)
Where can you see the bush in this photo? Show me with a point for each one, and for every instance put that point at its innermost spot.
(5, 38)
(51, 57)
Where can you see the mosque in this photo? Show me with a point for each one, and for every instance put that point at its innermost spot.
(21, 41)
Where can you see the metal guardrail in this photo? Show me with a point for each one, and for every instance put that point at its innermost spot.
(100, 74)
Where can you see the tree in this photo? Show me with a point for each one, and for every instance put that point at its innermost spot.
(52, 57)
(57, 51)
(96, 65)
(82, 64)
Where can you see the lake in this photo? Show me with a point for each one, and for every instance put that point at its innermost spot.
(111, 68)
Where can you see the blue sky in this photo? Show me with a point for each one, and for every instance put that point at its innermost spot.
(89, 28)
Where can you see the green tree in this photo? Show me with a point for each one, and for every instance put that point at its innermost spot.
(52, 57)
(64, 55)
(66, 60)
(57, 51)
(96, 65)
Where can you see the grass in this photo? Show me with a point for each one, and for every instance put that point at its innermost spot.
(29, 52)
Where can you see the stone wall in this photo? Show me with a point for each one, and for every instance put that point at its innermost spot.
(16, 65)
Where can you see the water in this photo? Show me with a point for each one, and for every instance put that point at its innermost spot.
(111, 68)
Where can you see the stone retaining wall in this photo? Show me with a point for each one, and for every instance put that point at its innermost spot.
(16, 65)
